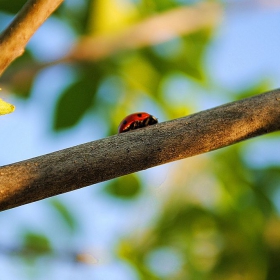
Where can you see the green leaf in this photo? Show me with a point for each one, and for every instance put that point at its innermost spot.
(158, 6)
(11, 7)
(36, 244)
(74, 103)
(5, 107)
(65, 214)
(126, 187)
(187, 57)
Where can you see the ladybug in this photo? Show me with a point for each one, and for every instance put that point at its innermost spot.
(136, 120)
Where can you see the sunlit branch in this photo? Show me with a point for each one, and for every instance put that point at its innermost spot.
(150, 31)
(154, 30)
(15, 37)
(66, 170)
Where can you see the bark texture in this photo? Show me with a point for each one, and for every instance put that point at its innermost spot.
(66, 170)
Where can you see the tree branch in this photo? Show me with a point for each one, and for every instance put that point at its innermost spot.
(14, 39)
(66, 170)
(150, 31)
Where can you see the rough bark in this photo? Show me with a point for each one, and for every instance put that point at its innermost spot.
(66, 170)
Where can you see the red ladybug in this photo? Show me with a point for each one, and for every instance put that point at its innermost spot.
(136, 120)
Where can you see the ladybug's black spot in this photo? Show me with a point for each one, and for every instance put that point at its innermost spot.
(125, 122)
(139, 115)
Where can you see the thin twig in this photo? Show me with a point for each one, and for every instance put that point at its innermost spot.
(117, 155)
(14, 39)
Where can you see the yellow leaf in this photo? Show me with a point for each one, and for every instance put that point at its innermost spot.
(5, 107)
(111, 15)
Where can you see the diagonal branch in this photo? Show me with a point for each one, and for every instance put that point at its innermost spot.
(14, 39)
(66, 170)
(151, 31)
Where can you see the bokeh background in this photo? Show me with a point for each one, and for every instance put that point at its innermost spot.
(213, 216)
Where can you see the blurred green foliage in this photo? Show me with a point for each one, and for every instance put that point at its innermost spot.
(11, 7)
(65, 214)
(77, 99)
(126, 187)
(35, 245)
(237, 235)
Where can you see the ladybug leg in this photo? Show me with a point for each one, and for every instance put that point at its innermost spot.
(135, 125)
(146, 122)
